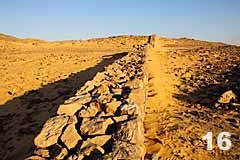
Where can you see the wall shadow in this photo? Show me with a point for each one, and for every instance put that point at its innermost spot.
(208, 95)
(21, 118)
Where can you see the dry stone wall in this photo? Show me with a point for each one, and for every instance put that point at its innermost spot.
(105, 118)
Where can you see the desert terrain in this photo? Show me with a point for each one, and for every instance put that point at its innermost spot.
(187, 80)
(37, 76)
(192, 87)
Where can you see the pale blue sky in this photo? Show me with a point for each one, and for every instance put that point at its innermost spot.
(214, 20)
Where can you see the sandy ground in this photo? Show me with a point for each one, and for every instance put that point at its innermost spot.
(184, 83)
(26, 65)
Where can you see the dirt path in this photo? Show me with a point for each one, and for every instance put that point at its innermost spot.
(161, 88)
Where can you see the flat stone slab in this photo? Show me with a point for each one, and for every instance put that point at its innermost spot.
(51, 130)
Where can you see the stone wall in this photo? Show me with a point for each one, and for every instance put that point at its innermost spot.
(104, 120)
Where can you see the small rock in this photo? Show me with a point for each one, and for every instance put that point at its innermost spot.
(82, 99)
(227, 97)
(116, 91)
(127, 131)
(125, 150)
(73, 105)
(42, 152)
(99, 77)
(187, 76)
(69, 109)
(62, 154)
(70, 136)
(129, 109)
(112, 106)
(103, 99)
(88, 147)
(120, 118)
(52, 129)
(72, 120)
(35, 158)
(90, 111)
(89, 86)
(134, 84)
(95, 126)
(103, 89)
(100, 140)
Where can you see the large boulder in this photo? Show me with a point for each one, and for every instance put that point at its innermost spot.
(52, 129)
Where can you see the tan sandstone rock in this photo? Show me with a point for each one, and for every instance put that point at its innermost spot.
(62, 154)
(42, 152)
(75, 104)
(100, 140)
(69, 109)
(50, 132)
(226, 97)
(127, 132)
(112, 106)
(70, 136)
(88, 147)
(95, 126)
(35, 158)
(90, 111)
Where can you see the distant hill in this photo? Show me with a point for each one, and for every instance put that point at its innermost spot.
(179, 42)
(189, 42)
(5, 37)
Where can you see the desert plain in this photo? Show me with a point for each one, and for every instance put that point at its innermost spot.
(191, 87)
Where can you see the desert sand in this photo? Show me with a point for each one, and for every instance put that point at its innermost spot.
(187, 81)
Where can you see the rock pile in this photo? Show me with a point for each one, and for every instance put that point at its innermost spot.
(105, 118)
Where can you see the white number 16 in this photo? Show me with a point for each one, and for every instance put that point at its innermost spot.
(223, 140)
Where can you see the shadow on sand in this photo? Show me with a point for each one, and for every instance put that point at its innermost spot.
(21, 118)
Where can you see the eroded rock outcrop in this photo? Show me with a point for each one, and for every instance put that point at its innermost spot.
(105, 118)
